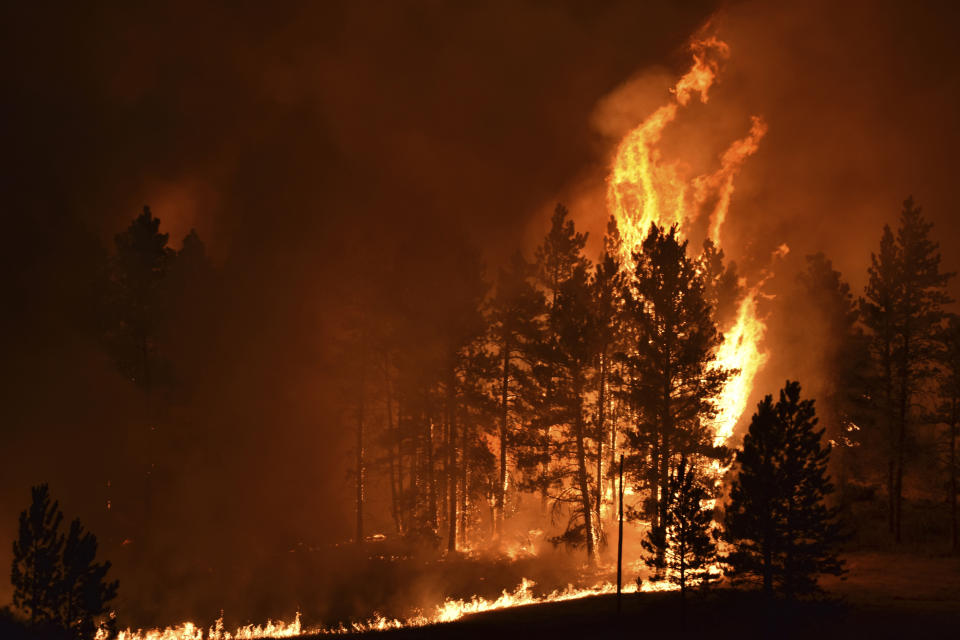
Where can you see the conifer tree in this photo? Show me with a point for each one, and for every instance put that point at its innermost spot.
(683, 544)
(607, 301)
(142, 259)
(37, 570)
(670, 358)
(879, 313)
(556, 259)
(922, 298)
(516, 317)
(722, 287)
(570, 359)
(56, 579)
(777, 521)
(85, 593)
(903, 311)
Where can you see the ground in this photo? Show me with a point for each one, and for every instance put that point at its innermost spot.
(883, 596)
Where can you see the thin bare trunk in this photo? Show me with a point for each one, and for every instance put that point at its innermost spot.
(601, 423)
(452, 471)
(504, 414)
(584, 485)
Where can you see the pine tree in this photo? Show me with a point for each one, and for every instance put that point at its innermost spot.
(557, 259)
(903, 312)
(722, 287)
(683, 544)
(56, 580)
(670, 359)
(570, 360)
(922, 298)
(607, 302)
(516, 318)
(141, 262)
(879, 314)
(780, 528)
(37, 570)
(85, 594)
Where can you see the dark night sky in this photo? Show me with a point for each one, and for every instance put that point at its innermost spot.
(291, 135)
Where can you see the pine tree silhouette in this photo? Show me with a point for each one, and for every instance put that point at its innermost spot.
(37, 569)
(683, 544)
(777, 521)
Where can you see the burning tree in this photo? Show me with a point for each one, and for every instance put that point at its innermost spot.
(516, 324)
(777, 521)
(674, 379)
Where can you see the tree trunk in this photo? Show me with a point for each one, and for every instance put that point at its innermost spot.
(431, 479)
(452, 476)
(585, 496)
(393, 455)
(904, 405)
(620, 536)
(767, 567)
(601, 421)
(464, 487)
(504, 411)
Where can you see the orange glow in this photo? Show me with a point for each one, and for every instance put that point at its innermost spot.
(643, 189)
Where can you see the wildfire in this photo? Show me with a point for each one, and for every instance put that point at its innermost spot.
(449, 611)
(643, 189)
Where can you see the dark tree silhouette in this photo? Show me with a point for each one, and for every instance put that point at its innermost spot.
(722, 287)
(777, 521)
(903, 310)
(85, 593)
(516, 319)
(683, 544)
(922, 297)
(141, 261)
(879, 313)
(671, 361)
(570, 360)
(607, 303)
(37, 571)
(556, 259)
(56, 580)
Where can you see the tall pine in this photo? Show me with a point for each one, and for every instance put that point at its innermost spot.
(671, 361)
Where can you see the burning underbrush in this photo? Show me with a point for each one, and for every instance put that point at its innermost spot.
(385, 586)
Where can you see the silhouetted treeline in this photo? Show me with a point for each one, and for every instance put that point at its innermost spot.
(527, 389)
(521, 390)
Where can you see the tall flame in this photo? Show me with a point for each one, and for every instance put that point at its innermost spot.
(643, 188)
